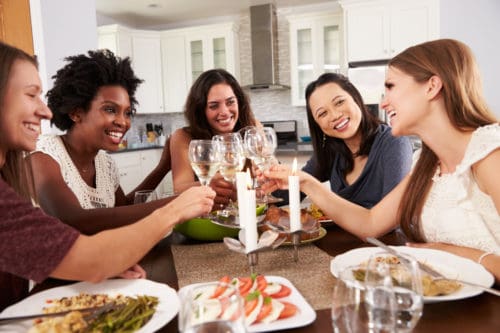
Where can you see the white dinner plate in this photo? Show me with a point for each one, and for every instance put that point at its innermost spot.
(304, 316)
(450, 265)
(167, 307)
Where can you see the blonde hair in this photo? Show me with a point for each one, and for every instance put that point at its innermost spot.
(453, 62)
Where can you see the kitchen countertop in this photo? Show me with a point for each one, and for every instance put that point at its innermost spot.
(128, 150)
(295, 148)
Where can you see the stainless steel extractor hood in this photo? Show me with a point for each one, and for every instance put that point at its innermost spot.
(264, 39)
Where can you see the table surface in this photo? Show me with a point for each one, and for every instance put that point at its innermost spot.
(476, 314)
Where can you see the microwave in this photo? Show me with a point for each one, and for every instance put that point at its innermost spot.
(286, 130)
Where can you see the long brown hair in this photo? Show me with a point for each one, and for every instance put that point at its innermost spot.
(196, 103)
(16, 170)
(453, 62)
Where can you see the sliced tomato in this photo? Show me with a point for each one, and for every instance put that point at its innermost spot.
(288, 311)
(223, 282)
(245, 285)
(284, 291)
(250, 305)
(261, 283)
(265, 310)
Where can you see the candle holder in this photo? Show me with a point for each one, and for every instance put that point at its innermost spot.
(268, 240)
(296, 242)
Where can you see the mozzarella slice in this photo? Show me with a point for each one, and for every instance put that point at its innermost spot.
(208, 310)
(275, 312)
(272, 288)
(253, 315)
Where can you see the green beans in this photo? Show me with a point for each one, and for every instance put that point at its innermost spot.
(129, 318)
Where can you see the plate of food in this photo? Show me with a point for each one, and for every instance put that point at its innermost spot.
(451, 266)
(288, 308)
(161, 300)
(278, 219)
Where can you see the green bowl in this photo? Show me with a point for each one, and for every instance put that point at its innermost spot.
(204, 230)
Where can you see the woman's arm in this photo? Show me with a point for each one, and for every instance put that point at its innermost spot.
(182, 175)
(111, 252)
(356, 219)
(57, 199)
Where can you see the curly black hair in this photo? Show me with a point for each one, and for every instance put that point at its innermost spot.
(77, 83)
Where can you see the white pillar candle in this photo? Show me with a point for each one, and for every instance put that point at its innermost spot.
(241, 190)
(294, 198)
(251, 233)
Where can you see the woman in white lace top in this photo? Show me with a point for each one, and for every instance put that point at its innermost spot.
(93, 100)
(451, 198)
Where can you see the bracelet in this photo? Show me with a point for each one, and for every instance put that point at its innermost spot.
(484, 255)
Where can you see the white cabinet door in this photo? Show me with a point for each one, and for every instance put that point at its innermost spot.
(316, 47)
(175, 85)
(146, 61)
(115, 38)
(378, 30)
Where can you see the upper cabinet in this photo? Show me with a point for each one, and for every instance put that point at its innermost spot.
(380, 29)
(169, 61)
(143, 48)
(188, 52)
(316, 47)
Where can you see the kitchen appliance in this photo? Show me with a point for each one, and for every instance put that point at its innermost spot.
(286, 130)
(264, 39)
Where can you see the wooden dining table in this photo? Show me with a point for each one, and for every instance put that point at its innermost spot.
(475, 314)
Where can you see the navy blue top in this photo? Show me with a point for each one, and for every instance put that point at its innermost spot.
(388, 162)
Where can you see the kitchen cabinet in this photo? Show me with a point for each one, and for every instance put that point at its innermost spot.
(316, 47)
(144, 49)
(188, 52)
(377, 30)
(134, 166)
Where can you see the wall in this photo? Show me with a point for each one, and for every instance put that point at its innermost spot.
(476, 24)
(61, 28)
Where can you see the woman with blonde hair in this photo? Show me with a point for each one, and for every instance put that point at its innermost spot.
(451, 198)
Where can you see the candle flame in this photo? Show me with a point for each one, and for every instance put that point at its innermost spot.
(294, 166)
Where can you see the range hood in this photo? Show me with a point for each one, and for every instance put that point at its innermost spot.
(264, 39)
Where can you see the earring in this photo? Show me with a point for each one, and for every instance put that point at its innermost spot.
(324, 141)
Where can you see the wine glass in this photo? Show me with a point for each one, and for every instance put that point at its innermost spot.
(232, 160)
(351, 310)
(144, 196)
(260, 144)
(204, 158)
(211, 307)
(404, 274)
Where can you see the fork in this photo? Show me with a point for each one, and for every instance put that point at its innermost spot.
(425, 268)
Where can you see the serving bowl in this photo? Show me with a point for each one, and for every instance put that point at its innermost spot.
(305, 138)
(204, 230)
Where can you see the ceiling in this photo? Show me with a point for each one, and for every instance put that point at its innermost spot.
(150, 13)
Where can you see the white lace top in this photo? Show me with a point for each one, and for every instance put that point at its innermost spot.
(456, 210)
(107, 177)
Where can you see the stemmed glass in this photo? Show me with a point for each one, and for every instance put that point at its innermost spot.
(204, 157)
(232, 159)
(404, 274)
(260, 144)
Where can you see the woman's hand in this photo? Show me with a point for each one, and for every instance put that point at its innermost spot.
(193, 202)
(277, 178)
(134, 272)
(224, 189)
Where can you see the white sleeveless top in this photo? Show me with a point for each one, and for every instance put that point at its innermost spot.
(456, 210)
(107, 177)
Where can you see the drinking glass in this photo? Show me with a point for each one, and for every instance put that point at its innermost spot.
(211, 307)
(204, 158)
(351, 312)
(406, 279)
(232, 156)
(145, 196)
(260, 144)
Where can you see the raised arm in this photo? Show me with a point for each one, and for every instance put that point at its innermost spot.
(182, 175)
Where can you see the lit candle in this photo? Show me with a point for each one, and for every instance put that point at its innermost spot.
(251, 234)
(241, 190)
(294, 198)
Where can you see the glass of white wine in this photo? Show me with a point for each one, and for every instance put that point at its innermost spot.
(205, 159)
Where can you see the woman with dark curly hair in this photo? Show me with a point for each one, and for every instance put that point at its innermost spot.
(216, 104)
(93, 100)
